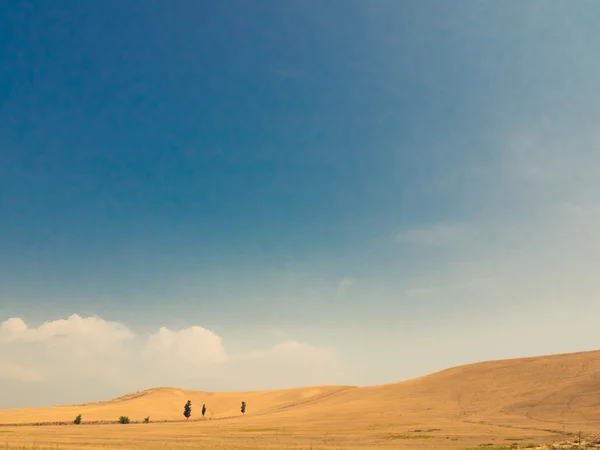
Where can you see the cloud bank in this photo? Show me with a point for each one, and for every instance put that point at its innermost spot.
(84, 353)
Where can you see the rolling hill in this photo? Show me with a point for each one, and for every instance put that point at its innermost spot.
(554, 393)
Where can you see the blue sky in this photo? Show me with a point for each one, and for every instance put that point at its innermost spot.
(396, 186)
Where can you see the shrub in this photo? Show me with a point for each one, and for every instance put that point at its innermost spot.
(147, 419)
(123, 419)
(77, 420)
(243, 409)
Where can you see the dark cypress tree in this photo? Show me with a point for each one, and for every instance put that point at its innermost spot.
(203, 410)
(187, 409)
(243, 407)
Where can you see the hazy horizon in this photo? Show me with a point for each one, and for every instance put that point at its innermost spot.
(255, 196)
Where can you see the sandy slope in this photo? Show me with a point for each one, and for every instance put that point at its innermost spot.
(167, 404)
(549, 392)
(560, 392)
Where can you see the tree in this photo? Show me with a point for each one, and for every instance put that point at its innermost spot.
(147, 419)
(187, 409)
(243, 407)
(124, 419)
(203, 410)
(77, 420)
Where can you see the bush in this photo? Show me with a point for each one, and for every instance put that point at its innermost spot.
(147, 419)
(77, 420)
(123, 419)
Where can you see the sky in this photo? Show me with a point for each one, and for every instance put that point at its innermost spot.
(240, 195)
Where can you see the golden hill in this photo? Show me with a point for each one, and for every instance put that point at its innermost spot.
(559, 392)
(167, 404)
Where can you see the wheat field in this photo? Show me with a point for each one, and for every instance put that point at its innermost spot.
(519, 403)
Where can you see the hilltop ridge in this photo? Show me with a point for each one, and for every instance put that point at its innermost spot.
(552, 391)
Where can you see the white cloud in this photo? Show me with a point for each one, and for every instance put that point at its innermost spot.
(91, 329)
(90, 347)
(103, 353)
(17, 372)
(193, 345)
(12, 329)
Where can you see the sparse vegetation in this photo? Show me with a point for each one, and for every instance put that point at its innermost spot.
(513, 446)
(392, 436)
(124, 419)
(147, 419)
(187, 409)
(490, 446)
(77, 420)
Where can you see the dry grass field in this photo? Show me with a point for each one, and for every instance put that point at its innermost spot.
(519, 403)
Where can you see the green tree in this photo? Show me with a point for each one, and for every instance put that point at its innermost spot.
(203, 410)
(187, 409)
(124, 419)
(243, 407)
(77, 420)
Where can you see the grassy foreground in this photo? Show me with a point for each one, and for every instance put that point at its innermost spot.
(266, 434)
